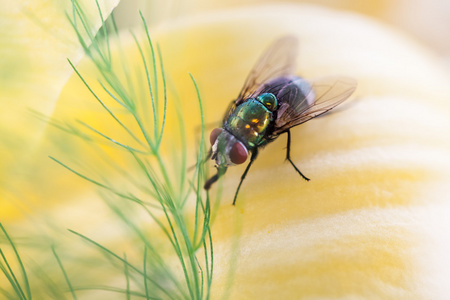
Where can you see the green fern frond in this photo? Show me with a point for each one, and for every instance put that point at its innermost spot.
(162, 202)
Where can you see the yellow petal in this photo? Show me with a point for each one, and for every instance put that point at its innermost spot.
(379, 168)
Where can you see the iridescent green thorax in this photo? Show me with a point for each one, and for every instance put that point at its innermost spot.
(269, 100)
(250, 120)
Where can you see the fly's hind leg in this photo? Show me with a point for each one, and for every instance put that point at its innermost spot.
(288, 155)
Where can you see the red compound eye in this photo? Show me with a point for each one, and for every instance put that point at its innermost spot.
(238, 153)
(214, 134)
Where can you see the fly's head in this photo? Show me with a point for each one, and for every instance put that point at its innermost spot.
(226, 151)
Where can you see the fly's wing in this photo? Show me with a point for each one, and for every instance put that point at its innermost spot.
(278, 60)
(323, 95)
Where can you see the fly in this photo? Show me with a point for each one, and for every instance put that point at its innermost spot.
(272, 101)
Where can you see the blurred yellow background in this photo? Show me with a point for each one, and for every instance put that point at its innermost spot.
(426, 20)
(373, 219)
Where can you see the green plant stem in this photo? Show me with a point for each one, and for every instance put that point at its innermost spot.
(21, 265)
(74, 296)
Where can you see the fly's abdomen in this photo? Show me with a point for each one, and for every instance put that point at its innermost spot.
(249, 122)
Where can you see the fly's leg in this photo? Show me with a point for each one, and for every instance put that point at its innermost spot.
(254, 154)
(288, 155)
(209, 182)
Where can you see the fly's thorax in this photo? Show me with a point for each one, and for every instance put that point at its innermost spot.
(268, 100)
(227, 150)
(249, 122)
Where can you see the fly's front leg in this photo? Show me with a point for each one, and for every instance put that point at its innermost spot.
(254, 154)
(288, 155)
(214, 178)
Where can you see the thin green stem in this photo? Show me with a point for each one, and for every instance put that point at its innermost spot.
(105, 31)
(127, 279)
(21, 265)
(211, 255)
(199, 157)
(112, 140)
(83, 19)
(6, 294)
(163, 202)
(156, 257)
(145, 273)
(133, 136)
(117, 257)
(122, 195)
(72, 291)
(201, 278)
(152, 51)
(159, 137)
(9, 274)
(155, 112)
(115, 290)
(98, 98)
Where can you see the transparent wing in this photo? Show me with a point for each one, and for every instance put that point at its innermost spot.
(278, 60)
(324, 95)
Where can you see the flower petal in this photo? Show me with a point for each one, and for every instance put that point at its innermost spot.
(358, 228)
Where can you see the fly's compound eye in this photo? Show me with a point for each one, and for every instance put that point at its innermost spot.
(238, 153)
(214, 134)
(269, 100)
